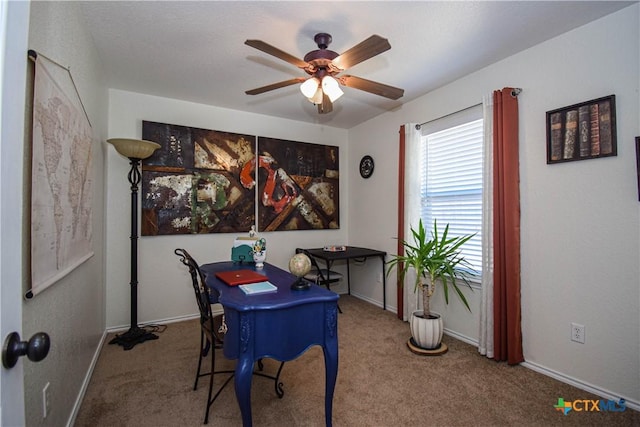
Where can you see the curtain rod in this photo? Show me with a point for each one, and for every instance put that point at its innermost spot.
(419, 125)
(514, 92)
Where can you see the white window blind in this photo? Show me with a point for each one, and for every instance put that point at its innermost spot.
(451, 187)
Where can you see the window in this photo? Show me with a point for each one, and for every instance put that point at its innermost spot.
(451, 185)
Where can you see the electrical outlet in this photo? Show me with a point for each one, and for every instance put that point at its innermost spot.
(46, 401)
(577, 333)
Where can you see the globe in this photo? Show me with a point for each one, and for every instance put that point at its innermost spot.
(299, 265)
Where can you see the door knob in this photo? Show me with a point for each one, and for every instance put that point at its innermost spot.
(36, 348)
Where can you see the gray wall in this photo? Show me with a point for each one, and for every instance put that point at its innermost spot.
(72, 311)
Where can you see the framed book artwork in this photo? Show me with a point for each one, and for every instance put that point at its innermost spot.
(582, 131)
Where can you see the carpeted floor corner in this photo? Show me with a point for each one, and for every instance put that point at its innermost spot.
(380, 383)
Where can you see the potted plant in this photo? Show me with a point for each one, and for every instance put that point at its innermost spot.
(436, 259)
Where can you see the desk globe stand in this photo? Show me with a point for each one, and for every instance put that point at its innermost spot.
(300, 265)
(301, 285)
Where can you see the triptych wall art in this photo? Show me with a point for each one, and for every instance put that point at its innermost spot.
(208, 181)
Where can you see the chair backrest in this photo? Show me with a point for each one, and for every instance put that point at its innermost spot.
(204, 297)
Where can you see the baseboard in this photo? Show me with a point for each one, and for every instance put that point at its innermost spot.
(364, 298)
(598, 391)
(85, 382)
(372, 302)
(155, 322)
(461, 337)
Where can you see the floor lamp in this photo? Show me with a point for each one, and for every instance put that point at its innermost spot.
(135, 150)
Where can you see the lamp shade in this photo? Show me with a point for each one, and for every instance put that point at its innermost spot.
(309, 87)
(317, 97)
(331, 88)
(134, 148)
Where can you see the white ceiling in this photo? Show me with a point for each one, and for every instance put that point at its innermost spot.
(195, 51)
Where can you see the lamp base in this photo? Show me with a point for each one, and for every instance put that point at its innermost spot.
(133, 336)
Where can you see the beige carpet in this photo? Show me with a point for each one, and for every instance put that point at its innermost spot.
(380, 383)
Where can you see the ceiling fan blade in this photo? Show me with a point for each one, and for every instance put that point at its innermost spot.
(274, 86)
(369, 48)
(326, 106)
(371, 86)
(267, 48)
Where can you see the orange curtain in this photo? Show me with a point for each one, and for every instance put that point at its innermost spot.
(506, 232)
(400, 248)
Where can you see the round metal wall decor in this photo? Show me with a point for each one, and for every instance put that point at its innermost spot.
(366, 166)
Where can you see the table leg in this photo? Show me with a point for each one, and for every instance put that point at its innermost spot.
(348, 278)
(243, 375)
(384, 285)
(328, 264)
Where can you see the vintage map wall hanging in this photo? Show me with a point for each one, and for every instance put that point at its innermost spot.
(298, 185)
(62, 177)
(192, 183)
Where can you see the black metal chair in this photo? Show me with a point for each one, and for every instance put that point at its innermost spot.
(320, 276)
(212, 330)
(211, 327)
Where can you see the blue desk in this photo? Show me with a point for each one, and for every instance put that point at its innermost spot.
(280, 325)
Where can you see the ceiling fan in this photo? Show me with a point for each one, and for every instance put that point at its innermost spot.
(324, 65)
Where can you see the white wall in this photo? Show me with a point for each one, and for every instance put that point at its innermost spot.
(164, 291)
(580, 220)
(72, 310)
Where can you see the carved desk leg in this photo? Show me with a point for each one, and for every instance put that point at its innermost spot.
(330, 350)
(244, 369)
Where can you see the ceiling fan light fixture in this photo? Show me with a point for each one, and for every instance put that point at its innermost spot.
(320, 87)
(331, 87)
(310, 87)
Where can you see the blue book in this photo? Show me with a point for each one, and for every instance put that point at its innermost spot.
(258, 288)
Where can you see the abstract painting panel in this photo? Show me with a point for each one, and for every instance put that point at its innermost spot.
(192, 183)
(298, 185)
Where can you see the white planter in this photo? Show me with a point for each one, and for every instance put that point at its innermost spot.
(427, 333)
